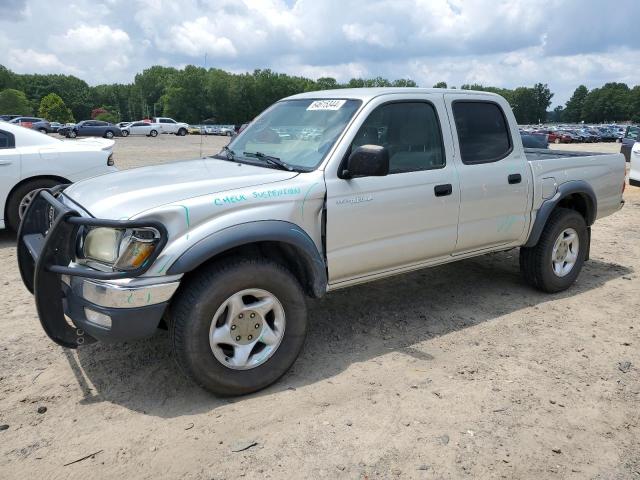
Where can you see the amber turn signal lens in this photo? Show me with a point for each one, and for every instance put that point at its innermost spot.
(135, 254)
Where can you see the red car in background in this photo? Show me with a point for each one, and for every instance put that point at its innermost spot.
(556, 136)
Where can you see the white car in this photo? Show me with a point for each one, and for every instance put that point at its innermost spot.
(634, 173)
(140, 128)
(30, 161)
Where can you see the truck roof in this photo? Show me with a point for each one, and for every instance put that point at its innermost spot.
(366, 94)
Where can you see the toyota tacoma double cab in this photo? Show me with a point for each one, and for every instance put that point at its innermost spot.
(322, 191)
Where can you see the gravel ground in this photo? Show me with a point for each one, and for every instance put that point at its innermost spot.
(459, 371)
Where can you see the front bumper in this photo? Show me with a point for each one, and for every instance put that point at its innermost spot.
(106, 306)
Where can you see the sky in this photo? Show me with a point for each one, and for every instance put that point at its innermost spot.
(503, 43)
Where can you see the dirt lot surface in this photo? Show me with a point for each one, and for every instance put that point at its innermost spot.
(459, 371)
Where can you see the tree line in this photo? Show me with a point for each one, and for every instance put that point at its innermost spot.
(195, 95)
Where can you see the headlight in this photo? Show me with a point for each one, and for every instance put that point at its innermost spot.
(123, 249)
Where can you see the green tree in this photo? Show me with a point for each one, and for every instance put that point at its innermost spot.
(108, 117)
(573, 108)
(6, 78)
(635, 104)
(404, 82)
(542, 100)
(440, 85)
(609, 103)
(14, 102)
(52, 108)
(557, 115)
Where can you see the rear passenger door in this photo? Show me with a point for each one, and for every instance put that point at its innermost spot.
(493, 171)
(410, 216)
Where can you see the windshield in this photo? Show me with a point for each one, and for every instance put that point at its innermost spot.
(298, 132)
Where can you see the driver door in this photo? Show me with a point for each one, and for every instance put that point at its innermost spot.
(410, 216)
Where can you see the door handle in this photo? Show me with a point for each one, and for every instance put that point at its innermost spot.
(515, 178)
(443, 190)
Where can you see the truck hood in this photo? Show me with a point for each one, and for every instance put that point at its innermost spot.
(124, 194)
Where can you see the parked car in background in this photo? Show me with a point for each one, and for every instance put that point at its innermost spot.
(534, 140)
(243, 126)
(91, 128)
(35, 123)
(631, 136)
(55, 126)
(169, 125)
(606, 134)
(634, 173)
(140, 128)
(226, 131)
(30, 161)
(123, 124)
(194, 129)
(7, 118)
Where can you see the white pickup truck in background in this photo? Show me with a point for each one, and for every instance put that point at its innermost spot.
(169, 125)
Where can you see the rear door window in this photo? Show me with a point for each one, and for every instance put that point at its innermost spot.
(483, 131)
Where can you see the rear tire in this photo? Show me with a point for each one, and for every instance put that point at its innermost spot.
(153, 133)
(108, 134)
(196, 314)
(19, 199)
(543, 265)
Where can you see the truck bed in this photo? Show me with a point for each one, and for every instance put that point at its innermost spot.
(604, 172)
(546, 154)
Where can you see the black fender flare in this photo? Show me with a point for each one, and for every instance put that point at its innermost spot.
(254, 232)
(579, 187)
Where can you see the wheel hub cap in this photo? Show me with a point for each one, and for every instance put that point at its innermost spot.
(565, 252)
(247, 329)
(25, 202)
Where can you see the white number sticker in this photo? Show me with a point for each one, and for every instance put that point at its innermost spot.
(326, 104)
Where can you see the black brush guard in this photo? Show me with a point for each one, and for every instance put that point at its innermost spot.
(47, 242)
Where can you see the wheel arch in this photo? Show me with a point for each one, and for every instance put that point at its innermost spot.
(31, 179)
(282, 241)
(576, 195)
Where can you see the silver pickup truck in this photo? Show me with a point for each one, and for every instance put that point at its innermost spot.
(322, 191)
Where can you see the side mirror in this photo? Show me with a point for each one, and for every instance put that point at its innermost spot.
(367, 161)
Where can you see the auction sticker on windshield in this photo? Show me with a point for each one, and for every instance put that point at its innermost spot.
(326, 104)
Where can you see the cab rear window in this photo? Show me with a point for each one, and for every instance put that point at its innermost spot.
(483, 132)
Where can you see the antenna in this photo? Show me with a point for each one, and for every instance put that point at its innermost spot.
(200, 127)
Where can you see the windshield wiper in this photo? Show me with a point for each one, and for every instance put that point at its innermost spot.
(270, 160)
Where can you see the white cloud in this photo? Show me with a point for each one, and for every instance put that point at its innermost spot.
(374, 34)
(91, 39)
(197, 37)
(37, 62)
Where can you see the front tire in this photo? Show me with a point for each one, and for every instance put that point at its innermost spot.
(555, 262)
(238, 325)
(125, 133)
(182, 132)
(21, 198)
(73, 134)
